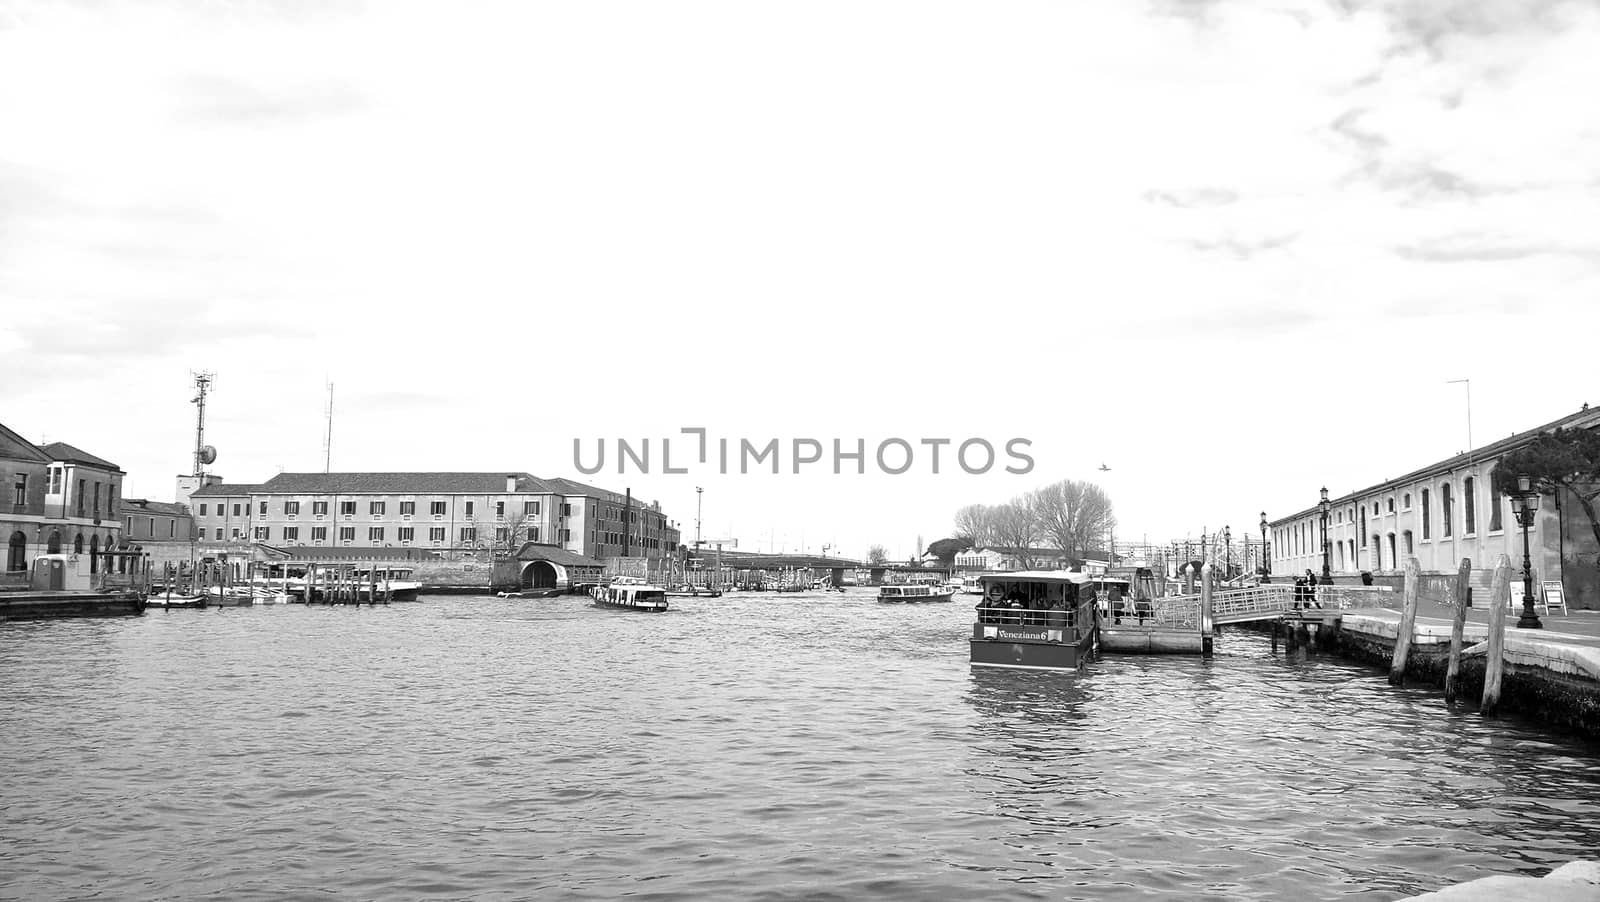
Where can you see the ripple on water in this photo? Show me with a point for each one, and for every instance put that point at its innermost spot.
(810, 747)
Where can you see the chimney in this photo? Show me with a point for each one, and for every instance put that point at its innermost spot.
(511, 484)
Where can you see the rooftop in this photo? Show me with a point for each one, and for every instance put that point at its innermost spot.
(69, 454)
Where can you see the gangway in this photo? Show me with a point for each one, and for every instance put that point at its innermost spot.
(1269, 602)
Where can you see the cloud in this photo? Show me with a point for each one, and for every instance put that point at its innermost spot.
(1190, 198)
(210, 98)
(1472, 248)
(1241, 248)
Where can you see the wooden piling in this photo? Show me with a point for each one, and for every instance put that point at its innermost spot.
(1273, 625)
(1452, 674)
(1494, 664)
(1206, 620)
(1408, 622)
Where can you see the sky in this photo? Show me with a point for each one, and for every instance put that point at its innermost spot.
(1233, 252)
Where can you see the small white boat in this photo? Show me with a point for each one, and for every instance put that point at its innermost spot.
(393, 583)
(245, 595)
(914, 594)
(972, 585)
(632, 595)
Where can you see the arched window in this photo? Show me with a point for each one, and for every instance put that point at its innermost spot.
(1444, 509)
(1411, 546)
(1469, 507)
(54, 545)
(1363, 526)
(1377, 552)
(1425, 515)
(77, 544)
(1394, 555)
(17, 552)
(94, 554)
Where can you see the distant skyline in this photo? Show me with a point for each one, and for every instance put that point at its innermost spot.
(1233, 253)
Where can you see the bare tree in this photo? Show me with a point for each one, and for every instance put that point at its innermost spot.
(877, 555)
(1016, 526)
(975, 525)
(1074, 515)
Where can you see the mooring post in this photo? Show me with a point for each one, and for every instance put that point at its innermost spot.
(1494, 665)
(1273, 628)
(1463, 593)
(1408, 622)
(1206, 624)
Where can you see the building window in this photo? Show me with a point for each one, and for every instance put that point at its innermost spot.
(263, 508)
(264, 533)
(533, 533)
(236, 511)
(57, 474)
(1444, 509)
(408, 508)
(319, 533)
(406, 533)
(219, 533)
(566, 510)
(1426, 526)
(499, 510)
(291, 508)
(347, 533)
(469, 533)
(436, 534)
(97, 501)
(291, 533)
(203, 510)
(1411, 546)
(375, 507)
(83, 489)
(375, 534)
(530, 508)
(502, 534)
(566, 535)
(1496, 503)
(1394, 558)
(1362, 531)
(1469, 507)
(319, 508)
(347, 508)
(469, 510)
(1391, 505)
(172, 528)
(77, 544)
(436, 508)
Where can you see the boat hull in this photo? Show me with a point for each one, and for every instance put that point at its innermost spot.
(1029, 648)
(916, 599)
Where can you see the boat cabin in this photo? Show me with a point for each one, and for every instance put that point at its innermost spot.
(911, 594)
(1042, 619)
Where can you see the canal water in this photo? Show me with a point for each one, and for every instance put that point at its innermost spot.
(773, 747)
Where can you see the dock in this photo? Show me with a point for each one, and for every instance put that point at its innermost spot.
(49, 605)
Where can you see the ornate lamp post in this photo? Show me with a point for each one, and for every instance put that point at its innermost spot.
(1266, 551)
(1327, 573)
(1526, 504)
(1227, 552)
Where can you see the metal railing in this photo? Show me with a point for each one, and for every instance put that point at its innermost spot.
(1076, 622)
(1273, 599)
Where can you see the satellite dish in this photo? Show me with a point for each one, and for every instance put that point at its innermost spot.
(208, 455)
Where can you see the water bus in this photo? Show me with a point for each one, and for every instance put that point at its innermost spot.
(1035, 620)
(636, 596)
(914, 594)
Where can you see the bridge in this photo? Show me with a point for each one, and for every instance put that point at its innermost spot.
(1185, 623)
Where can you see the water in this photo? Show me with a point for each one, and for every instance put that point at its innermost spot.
(752, 747)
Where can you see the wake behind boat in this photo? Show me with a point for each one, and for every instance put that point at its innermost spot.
(634, 596)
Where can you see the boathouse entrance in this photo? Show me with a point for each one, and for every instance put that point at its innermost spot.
(542, 575)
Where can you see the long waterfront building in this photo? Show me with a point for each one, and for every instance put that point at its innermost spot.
(448, 514)
(1442, 513)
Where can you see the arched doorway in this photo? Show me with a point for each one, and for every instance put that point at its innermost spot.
(77, 544)
(17, 552)
(94, 553)
(539, 575)
(54, 545)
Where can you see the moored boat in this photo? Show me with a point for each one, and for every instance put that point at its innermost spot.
(914, 594)
(1035, 620)
(631, 595)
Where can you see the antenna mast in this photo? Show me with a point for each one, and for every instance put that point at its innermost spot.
(203, 454)
(327, 436)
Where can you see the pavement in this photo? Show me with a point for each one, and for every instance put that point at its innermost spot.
(1567, 643)
(1578, 881)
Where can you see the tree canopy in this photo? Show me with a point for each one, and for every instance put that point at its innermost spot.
(1562, 459)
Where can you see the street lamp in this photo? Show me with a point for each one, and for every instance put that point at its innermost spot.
(1227, 552)
(1266, 551)
(1526, 504)
(1327, 574)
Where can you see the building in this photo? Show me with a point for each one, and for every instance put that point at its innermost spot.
(442, 514)
(162, 530)
(1002, 558)
(61, 500)
(1442, 513)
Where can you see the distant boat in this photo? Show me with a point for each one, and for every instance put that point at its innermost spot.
(917, 594)
(631, 595)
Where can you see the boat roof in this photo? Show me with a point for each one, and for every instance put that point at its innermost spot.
(1037, 576)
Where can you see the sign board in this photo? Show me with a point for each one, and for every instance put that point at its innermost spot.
(1553, 597)
(1023, 633)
